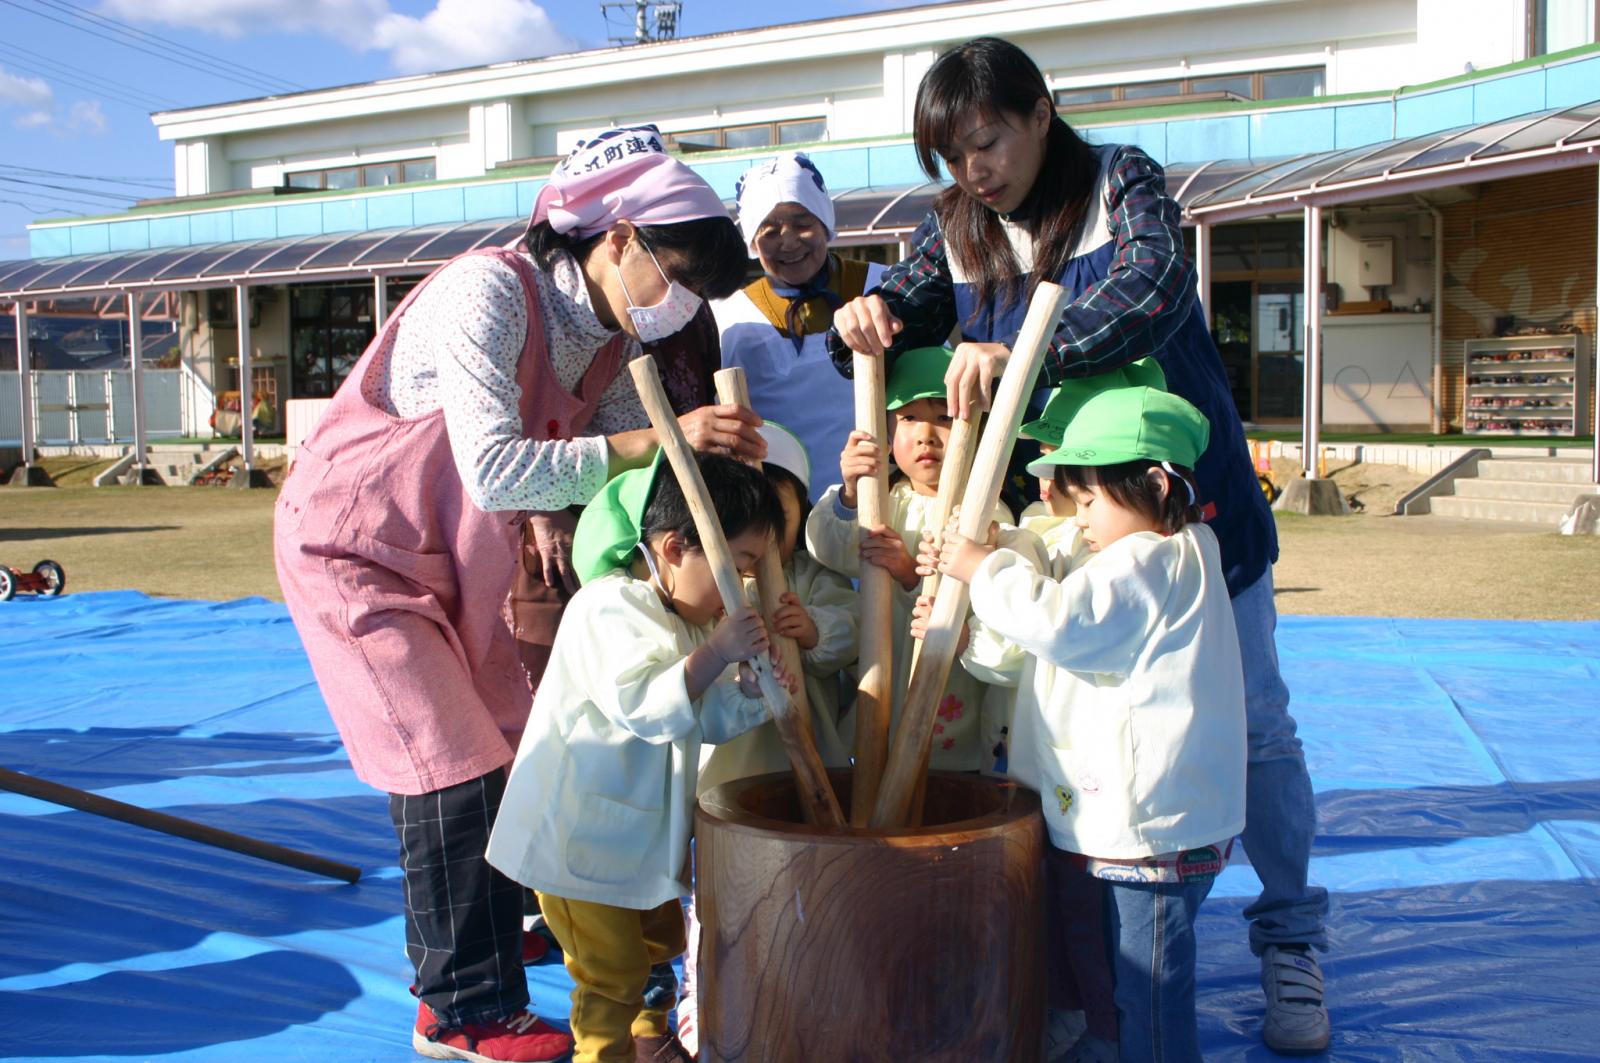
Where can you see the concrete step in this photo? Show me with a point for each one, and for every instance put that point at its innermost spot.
(1534, 514)
(1554, 492)
(1550, 470)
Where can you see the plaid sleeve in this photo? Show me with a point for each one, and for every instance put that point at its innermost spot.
(1150, 288)
(918, 291)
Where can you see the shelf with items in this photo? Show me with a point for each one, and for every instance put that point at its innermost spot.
(1526, 385)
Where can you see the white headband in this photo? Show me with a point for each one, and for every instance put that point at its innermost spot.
(791, 178)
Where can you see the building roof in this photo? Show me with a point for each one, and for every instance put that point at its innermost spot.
(1211, 192)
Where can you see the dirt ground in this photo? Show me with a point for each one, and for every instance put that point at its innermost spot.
(216, 543)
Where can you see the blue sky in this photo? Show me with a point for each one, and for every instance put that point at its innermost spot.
(79, 78)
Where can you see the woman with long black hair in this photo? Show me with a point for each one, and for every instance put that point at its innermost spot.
(1031, 201)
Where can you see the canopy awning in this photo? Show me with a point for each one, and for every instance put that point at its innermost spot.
(862, 215)
(1556, 139)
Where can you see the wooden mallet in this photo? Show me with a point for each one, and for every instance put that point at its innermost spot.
(817, 800)
(875, 685)
(920, 711)
(771, 583)
(957, 466)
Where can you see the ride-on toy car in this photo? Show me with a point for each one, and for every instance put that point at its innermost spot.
(46, 580)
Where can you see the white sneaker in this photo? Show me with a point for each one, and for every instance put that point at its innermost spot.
(688, 1016)
(1297, 1019)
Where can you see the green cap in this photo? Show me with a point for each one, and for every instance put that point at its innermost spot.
(917, 374)
(1129, 424)
(1067, 399)
(611, 525)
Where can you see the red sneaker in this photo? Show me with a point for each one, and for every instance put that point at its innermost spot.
(519, 1038)
(534, 947)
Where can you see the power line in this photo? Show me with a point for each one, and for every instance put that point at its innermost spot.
(38, 209)
(80, 12)
(78, 192)
(67, 73)
(253, 85)
(100, 92)
(153, 182)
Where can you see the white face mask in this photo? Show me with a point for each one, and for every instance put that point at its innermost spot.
(675, 310)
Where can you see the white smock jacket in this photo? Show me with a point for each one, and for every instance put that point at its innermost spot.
(962, 741)
(600, 803)
(1130, 710)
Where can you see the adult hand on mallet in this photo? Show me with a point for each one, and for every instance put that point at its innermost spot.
(969, 382)
(866, 325)
(726, 429)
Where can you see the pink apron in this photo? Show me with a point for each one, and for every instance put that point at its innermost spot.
(396, 580)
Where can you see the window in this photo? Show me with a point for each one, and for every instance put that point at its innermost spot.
(375, 175)
(762, 135)
(386, 174)
(1555, 25)
(803, 132)
(748, 136)
(1262, 85)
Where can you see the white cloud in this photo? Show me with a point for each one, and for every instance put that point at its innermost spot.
(31, 95)
(455, 33)
(469, 32)
(85, 116)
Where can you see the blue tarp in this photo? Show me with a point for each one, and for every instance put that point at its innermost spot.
(1457, 766)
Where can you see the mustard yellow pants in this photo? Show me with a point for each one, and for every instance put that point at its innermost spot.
(609, 952)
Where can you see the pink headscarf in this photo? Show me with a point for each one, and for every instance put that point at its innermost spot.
(623, 175)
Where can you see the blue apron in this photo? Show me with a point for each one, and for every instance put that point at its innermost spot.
(1228, 489)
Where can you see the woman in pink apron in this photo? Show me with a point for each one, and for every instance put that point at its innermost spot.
(495, 390)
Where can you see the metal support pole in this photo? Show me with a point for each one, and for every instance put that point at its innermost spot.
(28, 474)
(142, 473)
(1202, 265)
(1312, 418)
(1594, 359)
(380, 302)
(247, 428)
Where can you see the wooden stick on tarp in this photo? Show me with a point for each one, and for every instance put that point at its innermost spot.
(817, 800)
(917, 717)
(875, 685)
(83, 801)
(771, 583)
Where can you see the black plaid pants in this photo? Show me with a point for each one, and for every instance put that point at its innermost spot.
(463, 918)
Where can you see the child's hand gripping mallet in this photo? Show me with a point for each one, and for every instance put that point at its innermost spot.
(932, 671)
(817, 800)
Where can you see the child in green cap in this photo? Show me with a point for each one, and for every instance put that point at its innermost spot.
(599, 805)
(1130, 712)
(919, 428)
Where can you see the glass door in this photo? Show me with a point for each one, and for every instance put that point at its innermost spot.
(1279, 352)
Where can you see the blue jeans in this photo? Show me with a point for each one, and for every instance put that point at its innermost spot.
(1151, 930)
(1280, 810)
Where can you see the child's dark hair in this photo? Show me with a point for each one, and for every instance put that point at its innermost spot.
(1131, 486)
(741, 494)
(993, 77)
(782, 477)
(706, 255)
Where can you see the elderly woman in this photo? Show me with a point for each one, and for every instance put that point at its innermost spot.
(498, 387)
(774, 328)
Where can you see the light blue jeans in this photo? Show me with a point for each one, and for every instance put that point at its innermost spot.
(1151, 931)
(1280, 810)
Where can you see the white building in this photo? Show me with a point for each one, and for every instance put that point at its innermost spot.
(1405, 123)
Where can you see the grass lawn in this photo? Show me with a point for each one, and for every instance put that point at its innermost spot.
(216, 543)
